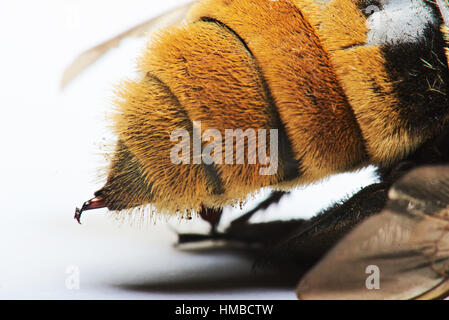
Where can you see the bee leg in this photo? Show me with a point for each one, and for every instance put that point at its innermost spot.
(312, 238)
(251, 234)
(274, 198)
(286, 240)
(304, 246)
(212, 216)
(240, 230)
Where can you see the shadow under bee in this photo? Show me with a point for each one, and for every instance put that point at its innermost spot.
(215, 276)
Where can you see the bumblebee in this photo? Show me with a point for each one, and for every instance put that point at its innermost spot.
(339, 85)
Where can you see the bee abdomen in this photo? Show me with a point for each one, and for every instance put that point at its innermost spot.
(218, 85)
(309, 101)
(245, 67)
(390, 60)
(148, 112)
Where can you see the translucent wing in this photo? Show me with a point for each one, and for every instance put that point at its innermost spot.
(401, 253)
(88, 57)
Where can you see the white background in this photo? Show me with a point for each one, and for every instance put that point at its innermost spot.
(51, 144)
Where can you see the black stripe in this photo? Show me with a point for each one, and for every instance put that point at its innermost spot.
(125, 177)
(211, 172)
(419, 73)
(290, 164)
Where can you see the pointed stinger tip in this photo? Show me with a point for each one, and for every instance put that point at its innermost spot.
(78, 213)
(95, 203)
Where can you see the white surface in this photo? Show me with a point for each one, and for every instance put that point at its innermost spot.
(49, 161)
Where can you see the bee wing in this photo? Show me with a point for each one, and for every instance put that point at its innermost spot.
(401, 253)
(85, 59)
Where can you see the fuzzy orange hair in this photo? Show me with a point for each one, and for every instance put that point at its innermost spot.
(296, 66)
